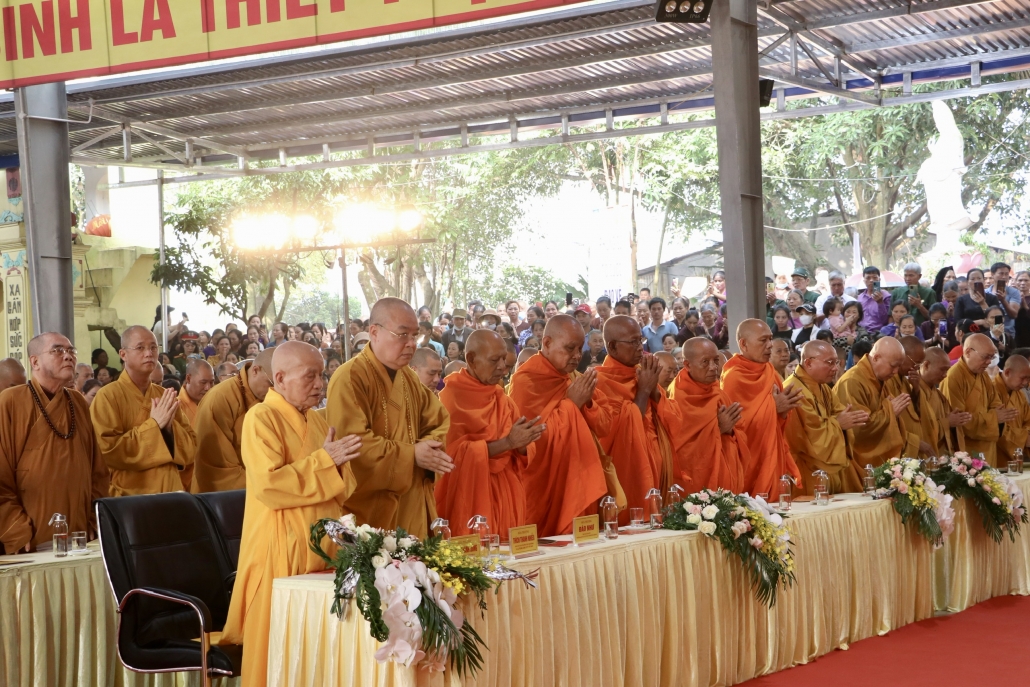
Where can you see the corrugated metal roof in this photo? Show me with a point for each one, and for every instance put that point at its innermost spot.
(580, 57)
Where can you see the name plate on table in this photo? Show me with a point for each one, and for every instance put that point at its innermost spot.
(523, 541)
(469, 544)
(586, 530)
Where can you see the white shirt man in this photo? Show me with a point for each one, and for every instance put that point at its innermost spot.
(836, 280)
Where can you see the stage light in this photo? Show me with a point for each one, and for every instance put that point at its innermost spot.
(683, 11)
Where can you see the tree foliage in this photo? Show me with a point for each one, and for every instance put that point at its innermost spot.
(526, 284)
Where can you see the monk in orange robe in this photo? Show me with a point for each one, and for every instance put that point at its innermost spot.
(567, 478)
(710, 451)
(750, 380)
(627, 382)
(490, 444)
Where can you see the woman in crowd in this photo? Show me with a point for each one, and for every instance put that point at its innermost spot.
(456, 351)
(898, 311)
(680, 307)
(782, 324)
(551, 309)
(974, 304)
(938, 331)
(690, 327)
(252, 350)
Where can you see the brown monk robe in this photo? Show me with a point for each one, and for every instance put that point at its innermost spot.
(490, 443)
(906, 381)
(1010, 384)
(144, 436)
(816, 429)
(862, 387)
(968, 387)
(750, 380)
(49, 460)
(199, 379)
(638, 444)
(942, 426)
(710, 451)
(219, 425)
(402, 425)
(567, 478)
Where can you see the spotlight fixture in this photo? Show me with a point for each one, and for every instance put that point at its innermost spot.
(683, 11)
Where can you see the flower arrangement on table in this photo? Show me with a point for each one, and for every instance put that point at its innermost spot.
(408, 591)
(916, 495)
(998, 499)
(747, 528)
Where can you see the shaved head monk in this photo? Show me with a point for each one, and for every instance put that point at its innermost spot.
(402, 425)
(1010, 384)
(567, 478)
(49, 459)
(452, 367)
(144, 436)
(969, 388)
(669, 369)
(428, 365)
(638, 444)
(219, 425)
(710, 451)
(490, 442)
(906, 383)
(942, 425)
(816, 429)
(83, 373)
(297, 472)
(780, 356)
(11, 373)
(882, 437)
(750, 380)
(200, 378)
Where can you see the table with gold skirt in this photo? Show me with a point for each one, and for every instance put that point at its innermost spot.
(971, 567)
(661, 608)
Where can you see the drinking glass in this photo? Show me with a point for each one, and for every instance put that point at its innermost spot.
(1013, 467)
(495, 549)
(78, 543)
(784, 502)
(636, 517)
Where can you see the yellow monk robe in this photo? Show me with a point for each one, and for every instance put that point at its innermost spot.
(566, 477)
(219, 427)
(187, 406)
(976, 395)
(1016, 431)
(632, 438)
(704, 456)
(750, 384)
(134, 447)
(480, 484)
(816, 439)
(882, 437)
(390, 416)
(911, 417)
(936, 430)
(291, 482)
(41, 473)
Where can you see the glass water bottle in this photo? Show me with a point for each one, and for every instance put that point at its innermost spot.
(786, 491)
(673, 495)
(869, 480)
(478, 524)
(821, 487)
(60, 525)
(610, 517)
(654, 508)
(441, 528)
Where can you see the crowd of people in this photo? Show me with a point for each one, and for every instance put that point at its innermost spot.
(525, 414)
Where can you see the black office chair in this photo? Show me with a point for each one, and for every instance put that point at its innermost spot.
(167, 570)
(225, 512)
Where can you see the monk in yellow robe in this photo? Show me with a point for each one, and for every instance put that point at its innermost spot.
(750, 380)
(942, 426)
(219, 425)
(968, 387)
(1010, 384)
(490, 443)
(710, 451)
(297, 473)
(144, 436)
(906, 382)
(49, 459)
(638, 444)
(402, 425)
(567, 477)
(882, 437)
(816, 428)
(199, 379)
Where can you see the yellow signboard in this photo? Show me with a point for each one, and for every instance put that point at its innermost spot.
(57, 40)
(469, 544)
(523, 540)
(585, 529)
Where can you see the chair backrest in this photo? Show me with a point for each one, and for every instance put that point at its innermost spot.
(225, 509)
(163, 541)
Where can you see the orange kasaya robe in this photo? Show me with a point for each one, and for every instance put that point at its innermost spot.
(481, 484)
(704, 455)
(566, 478)
(750, 384)
(639, 447)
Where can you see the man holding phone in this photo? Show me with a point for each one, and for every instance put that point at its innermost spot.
(1008, 295)
(917, 298)
(876, 303)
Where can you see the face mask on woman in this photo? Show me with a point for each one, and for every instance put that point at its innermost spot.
(805, 320)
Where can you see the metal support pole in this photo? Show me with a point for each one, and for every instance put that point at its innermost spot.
(161, 255)
(43, 149)
(738, 134)
(346, 304)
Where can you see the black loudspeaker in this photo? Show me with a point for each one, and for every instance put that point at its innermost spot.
(765, 91)
(683, 11)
